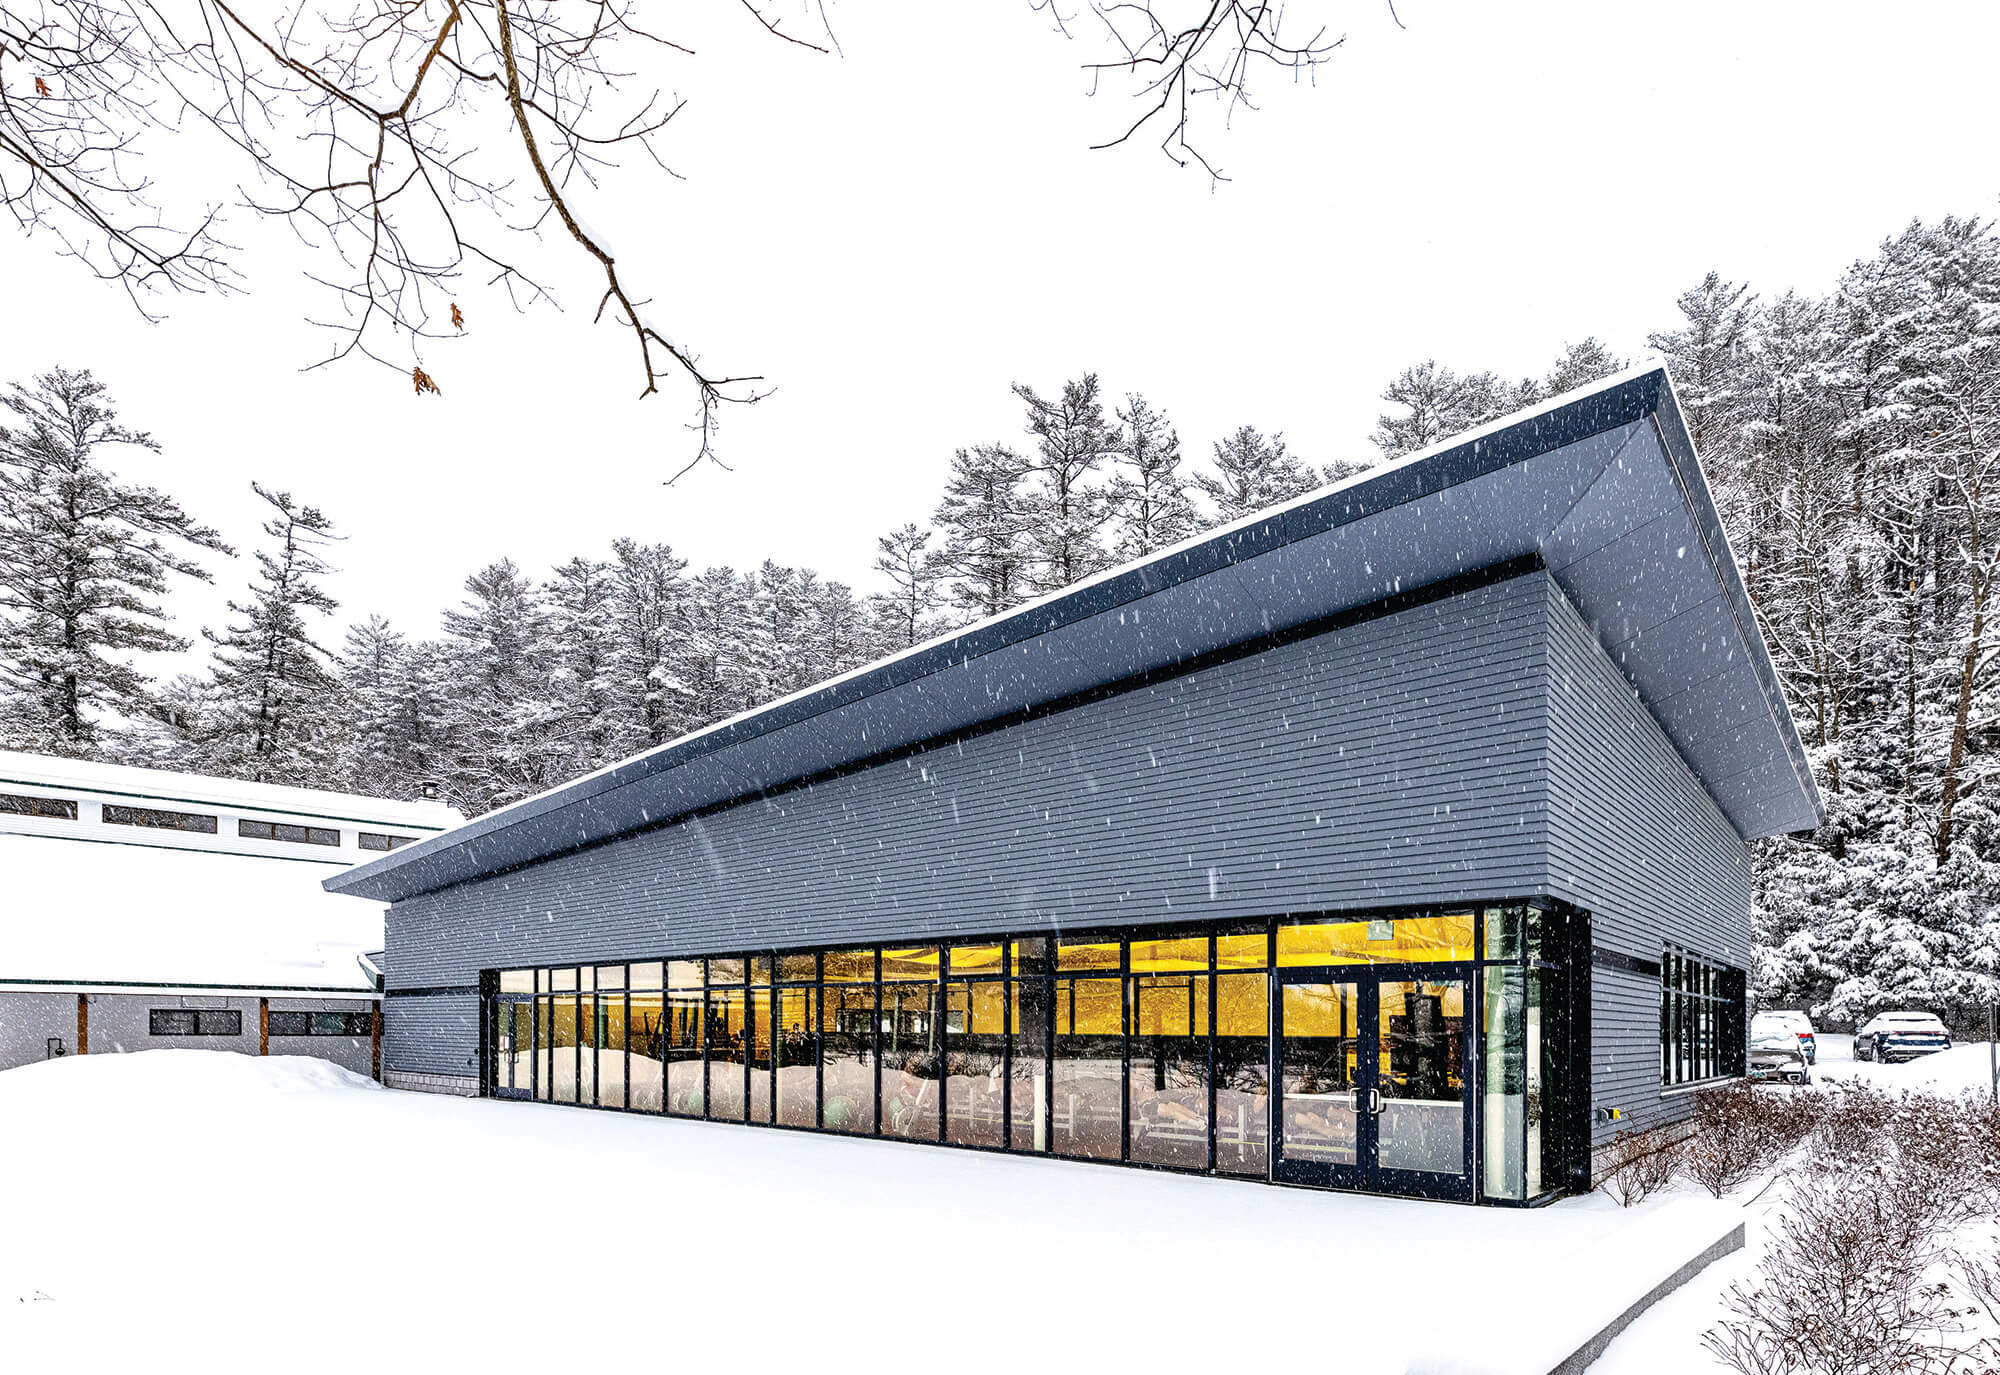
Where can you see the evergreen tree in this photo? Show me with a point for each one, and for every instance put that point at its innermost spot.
(82, 559)
(984, 522)
(1707, 355)
(1579, 366)
(907, 612)
(375, 756)
(578, 646)
(1435, 403)
(1252, 472)
(648, 616)
(271, 684)
(1148, 492)
(502, 724)
(1073, 440)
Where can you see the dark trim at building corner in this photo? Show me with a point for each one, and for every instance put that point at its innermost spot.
(1624, 963)
(434, 991)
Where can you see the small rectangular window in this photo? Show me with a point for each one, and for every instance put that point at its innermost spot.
(60, 808)
(321, 1023)
(157, 820)
(377, 840)
(279, 830)
(180, 1021)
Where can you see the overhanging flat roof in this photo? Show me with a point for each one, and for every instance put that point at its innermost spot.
(1601, 485)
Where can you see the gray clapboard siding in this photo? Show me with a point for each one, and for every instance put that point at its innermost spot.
(1401, 759)
(433, 1033)
(1637, 841)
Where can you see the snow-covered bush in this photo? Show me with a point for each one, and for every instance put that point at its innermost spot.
(1842, 1289)
(1739, 1131)
(1641, 1163)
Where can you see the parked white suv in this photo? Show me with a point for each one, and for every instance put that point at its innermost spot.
(1890, 1036)
(1797, 1023)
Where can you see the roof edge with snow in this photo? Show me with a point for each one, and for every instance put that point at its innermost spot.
(1602, 483)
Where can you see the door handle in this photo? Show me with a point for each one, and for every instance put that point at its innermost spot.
(1375, 1101)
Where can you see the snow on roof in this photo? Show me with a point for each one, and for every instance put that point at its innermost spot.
(125, 780)
(74, 912)
(1600, 486)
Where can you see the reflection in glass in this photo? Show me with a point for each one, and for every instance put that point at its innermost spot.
(544, 1040)
(1317, 1050)
(796, 1059)
(1504, 1111)
(797, 969)
(1393, 939)
(728, 1054)
(1028, 1070)
(975, 959)
(517, 981)
(911, 1057)
(1088, 1068)
(1242, 1073)
(975, 1048)
(910, 963)
(1172, 953)
(847, 1055)
(759, 1054)
(587, 1029)
(1087, 955)
(1168, 1083)
(848, 967)
(1421, 1026)
(610, 1049)
(686, 1095)
(645, 1036)
(562, 1042)
(725, 969)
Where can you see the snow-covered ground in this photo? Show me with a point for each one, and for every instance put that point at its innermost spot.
(188, 1210)
(1667, 1337)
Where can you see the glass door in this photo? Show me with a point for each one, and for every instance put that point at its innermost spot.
(1372, 1075)
(1423, 1120)
(513, 1043)
(1323, 1126)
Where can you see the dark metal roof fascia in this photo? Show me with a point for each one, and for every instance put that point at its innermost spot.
(429, 864)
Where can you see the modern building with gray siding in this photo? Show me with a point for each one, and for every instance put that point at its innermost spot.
(1396, 839)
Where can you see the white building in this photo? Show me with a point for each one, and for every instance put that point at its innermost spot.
(141, 908)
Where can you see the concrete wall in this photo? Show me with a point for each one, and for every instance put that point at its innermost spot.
(120, 1023)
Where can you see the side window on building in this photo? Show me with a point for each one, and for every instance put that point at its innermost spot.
(117, 815)
(1702, 1015)
(321, 1023)
(15, 804)
(377, 840)
(187, 1021)
(279, 830)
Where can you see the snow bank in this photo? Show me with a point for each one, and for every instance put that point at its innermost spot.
(186, 1210)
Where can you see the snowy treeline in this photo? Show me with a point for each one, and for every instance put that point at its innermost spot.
(1853, 440)
(530, 680)
(1853, 443)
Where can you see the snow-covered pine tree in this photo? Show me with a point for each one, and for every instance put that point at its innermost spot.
(1251, 473)
(1065, 495)
(717, 663)
(374, 754)
(983, 523)
(907, 613)
(83, 557)
(1148, 492)
(578, 646)
(1434, 403)
(499, 714)
(649, 616)
(271, 689)
(1579, 366)
(1707, 356)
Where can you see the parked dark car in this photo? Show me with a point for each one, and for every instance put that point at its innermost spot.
(1777, 1055)
(1893, 1036)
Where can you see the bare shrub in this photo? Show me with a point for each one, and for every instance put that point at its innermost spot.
(1842, 1290)
(1731, 1138)
(1641, 1163)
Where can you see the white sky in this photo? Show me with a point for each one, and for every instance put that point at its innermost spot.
(894, 235)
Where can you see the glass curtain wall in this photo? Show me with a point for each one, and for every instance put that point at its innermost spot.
(1149, 1047)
